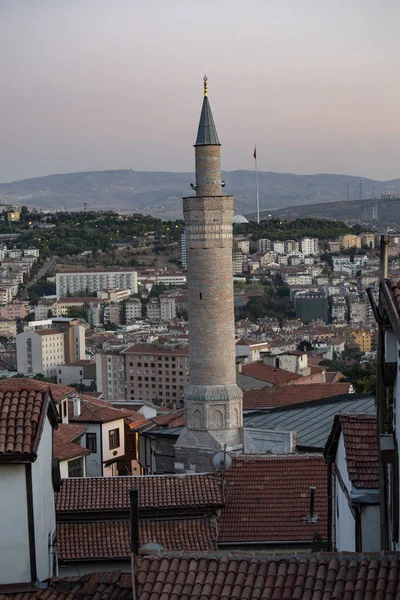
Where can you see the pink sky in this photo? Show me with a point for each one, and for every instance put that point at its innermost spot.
(100, 84)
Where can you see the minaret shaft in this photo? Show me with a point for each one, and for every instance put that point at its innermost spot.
(213, 401)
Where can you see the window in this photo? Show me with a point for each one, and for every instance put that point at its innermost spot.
(113, 439)
(75, 467)
(91, 442)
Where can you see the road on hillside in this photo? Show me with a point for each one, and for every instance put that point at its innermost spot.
(47, 266)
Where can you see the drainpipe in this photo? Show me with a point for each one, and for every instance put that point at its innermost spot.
(384, 257)
(134, 522)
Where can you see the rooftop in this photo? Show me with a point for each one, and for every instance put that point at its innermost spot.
(155, 491)
(287, 395)
(65, 444)
(272, 375)
(217, 576)
(312, 420)
(268, 499)
(22, 416)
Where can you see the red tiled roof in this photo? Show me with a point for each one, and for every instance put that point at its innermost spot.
(21, 421)
(155, 491)
(100, 411)
(361, 446)
(22, 383)
(103, 540)
(284, 396)
(215, 576)
(64, 446)
(268, 499)
(272, 375)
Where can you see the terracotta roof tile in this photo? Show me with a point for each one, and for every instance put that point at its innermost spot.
(268, 499)
(20, 413)
(155, 491)
(286, 395)
(248, 576)
(110, 539)
(100, 411)
(22, 383)
(65, 445)
(272, 375)
(361, 445)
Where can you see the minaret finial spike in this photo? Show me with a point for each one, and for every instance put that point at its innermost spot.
(205, 85)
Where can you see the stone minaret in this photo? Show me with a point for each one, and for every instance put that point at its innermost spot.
(213, 401)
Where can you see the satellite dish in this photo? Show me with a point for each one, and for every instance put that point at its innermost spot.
(222, 461)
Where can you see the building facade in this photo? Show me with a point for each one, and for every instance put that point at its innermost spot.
(93, 281)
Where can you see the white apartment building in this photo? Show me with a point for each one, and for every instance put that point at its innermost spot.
(243, 246)
(309, 246)
(31, 252)
(237, 261)
(133, 310)
(267, 258)
(93, 281)
(279, 247)
(167, 308)
(40, 351)
(183, 250)
(299, 279)
(172, 279)
(263, 246)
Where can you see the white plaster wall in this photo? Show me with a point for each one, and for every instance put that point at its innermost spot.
(43, 501)
(64, 468)
(14, 542)
(370, 528)
(93, 460)
(22, 356)
(69, 374)
(345, 523)
(106, 427)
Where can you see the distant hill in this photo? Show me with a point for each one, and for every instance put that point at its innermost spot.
(388, 211)
(160, 193)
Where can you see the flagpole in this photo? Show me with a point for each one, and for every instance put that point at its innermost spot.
(257, 194)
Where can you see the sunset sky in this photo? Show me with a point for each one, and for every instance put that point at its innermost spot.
(114, 84)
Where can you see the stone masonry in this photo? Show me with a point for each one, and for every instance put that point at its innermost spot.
(213, 401)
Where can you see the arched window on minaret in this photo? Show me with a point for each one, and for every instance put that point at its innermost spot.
(217, 419)
(196, 419)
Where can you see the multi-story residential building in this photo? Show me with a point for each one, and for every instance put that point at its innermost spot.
(110, 375)
(243, 246)
(339, 308)
(334, 246)
(114, 295)
(291, 246)
(153, 309)
(357, 310)
(364, 338)
(264, 246)
(133, 310)
(8, 327)
(279, 247)
(237, 260)
(299, 279)
(112, 313)
(42, 350)
(267, 258)
(15, 310)
(93, 281)
(368, 240)
(350, 241)
(167, 308)
(59, 308)
(311, 306)
(156, 373)
(309, 246)
(32, 252)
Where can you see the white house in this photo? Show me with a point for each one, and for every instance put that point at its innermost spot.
(69, 451)
(28, 479)
(104, 435)
(353, 512)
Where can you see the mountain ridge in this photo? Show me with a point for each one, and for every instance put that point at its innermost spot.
(160, 192)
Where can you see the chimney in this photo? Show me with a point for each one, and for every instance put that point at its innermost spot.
(77, 406)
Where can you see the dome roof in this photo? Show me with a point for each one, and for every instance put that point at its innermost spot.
(239, 219)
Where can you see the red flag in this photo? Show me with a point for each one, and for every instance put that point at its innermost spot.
(255, 152)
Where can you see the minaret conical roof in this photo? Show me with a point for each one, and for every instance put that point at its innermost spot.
(206, 133)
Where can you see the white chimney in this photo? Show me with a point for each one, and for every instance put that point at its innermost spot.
(77, 406)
